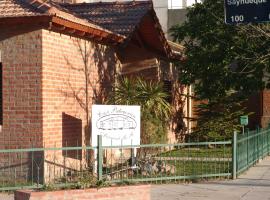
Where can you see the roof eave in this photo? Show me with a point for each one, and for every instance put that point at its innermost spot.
(59, 24)
(92, 33)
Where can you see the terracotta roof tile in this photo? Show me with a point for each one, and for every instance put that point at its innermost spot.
(26, 8)
(118, 17)
(114, 18)
(16, 8)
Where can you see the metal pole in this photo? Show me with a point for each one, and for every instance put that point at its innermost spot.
(234, 156)
(100, 157)
(247, 148)
(258, 148)
(267, 142)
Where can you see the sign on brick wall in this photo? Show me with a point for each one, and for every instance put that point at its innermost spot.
(118, 125)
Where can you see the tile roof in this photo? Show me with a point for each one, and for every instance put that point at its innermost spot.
(27, 8)
(118, 17)
(15, 8)
(116, 20)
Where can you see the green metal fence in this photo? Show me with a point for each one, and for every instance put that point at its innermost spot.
(79, 167)
(157, 163)
(250, 148)
(85, 166)
(39, 167)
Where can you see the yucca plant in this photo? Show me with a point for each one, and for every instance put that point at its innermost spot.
(155, 110)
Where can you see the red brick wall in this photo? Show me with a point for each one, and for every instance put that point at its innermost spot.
(21, 59)
(64, 83)
(254, 105)
(140, 192)
(259, 104)
(43, 80)
(64, 69)
(22, 104)
(265, 120)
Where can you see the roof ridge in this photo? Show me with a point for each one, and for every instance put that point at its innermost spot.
(39, 4)
(133, 2)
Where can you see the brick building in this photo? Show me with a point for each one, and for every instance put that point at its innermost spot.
(49, 51)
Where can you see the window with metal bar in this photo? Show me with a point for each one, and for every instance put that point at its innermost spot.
(167, 87)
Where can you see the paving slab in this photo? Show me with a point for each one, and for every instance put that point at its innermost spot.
(252, 185)
(6, 196)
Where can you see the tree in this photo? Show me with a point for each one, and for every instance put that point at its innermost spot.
(222, 59)
(154, 107)
(223, 62)
(218, 119)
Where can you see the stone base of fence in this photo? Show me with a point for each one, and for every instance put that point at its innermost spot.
(138, 192)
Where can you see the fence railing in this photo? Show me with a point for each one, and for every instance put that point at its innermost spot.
(85, 166)
(38, 167)
(250, 148)
(167, 162)
(80, 167)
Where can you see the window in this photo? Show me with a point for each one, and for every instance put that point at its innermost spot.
(167, 87)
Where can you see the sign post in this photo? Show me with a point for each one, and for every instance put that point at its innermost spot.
(247, 11)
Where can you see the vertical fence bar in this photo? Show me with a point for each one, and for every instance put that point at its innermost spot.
(257, 148)
(100, 157)
(267, 142)
(247, 148)
(234, 158)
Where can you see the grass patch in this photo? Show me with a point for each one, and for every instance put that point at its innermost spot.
(225, 152)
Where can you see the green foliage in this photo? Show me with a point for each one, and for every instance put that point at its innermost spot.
(218, 119)
(222, 60)
(80, 180)
(86, 179)
(154, 107)
(221, 57)
(48, 187)
(154, 130)
(149, 95)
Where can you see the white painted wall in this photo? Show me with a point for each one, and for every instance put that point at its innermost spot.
(161, 8)
(178, 4)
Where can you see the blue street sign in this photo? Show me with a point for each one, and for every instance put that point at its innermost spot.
(246, 11)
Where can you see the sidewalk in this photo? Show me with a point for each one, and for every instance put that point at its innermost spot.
(253, 185)
(6, 196)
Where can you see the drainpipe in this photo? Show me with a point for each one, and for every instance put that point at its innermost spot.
(190, 107)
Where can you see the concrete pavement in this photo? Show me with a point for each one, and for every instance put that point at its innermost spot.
(253, 185)
(6, 196)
